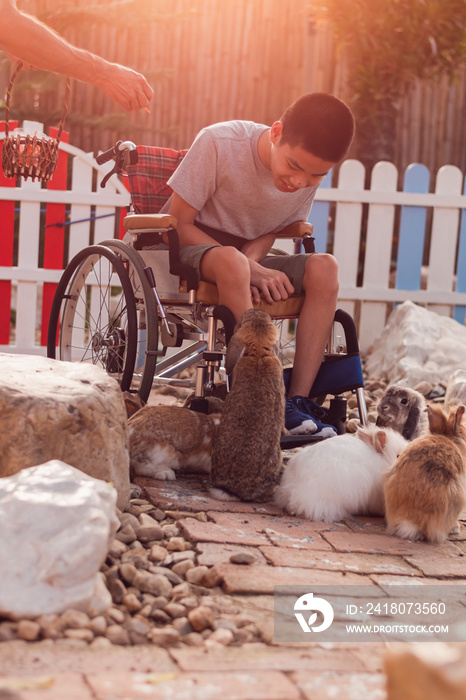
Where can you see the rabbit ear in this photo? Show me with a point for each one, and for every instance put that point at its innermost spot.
(458, 416)
(234, 351)
(377, 439)
(366, 436)
(411, 422)
(132, 402)
(380, 440)
(437, 420)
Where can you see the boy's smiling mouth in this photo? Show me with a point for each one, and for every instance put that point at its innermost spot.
(289, 188)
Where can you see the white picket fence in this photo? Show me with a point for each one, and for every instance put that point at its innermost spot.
(403, 228)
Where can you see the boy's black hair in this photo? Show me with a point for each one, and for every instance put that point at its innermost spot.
(321, 124)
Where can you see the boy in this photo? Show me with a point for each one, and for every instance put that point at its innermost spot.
(237, 187)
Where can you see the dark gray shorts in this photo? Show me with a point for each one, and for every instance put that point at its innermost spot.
(291, 265)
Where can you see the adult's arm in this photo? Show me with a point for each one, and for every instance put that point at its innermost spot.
(25, 38)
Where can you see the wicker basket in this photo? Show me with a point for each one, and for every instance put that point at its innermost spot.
(26, 156)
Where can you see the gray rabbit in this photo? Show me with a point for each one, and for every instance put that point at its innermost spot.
(404, 410)
(246, 455)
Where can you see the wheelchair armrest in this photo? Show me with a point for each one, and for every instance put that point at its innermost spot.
(148, 221)
(298, 229)
(349, 328)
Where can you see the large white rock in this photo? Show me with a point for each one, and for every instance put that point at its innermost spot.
(417, 345)
(57, 524)
(63, 410)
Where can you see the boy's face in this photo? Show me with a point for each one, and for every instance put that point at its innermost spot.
(292, 166)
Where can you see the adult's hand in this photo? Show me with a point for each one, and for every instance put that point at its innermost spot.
(125, 86)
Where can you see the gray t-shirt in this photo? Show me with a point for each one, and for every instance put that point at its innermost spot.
(223, 178)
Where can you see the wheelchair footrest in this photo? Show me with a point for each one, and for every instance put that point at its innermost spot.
(288, 442)
(210, 356)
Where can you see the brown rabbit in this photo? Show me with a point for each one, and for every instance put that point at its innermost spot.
(163, 439)
(425, 490)
(246, 455)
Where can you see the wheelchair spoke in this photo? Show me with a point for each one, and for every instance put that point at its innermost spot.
(95, 312)
(286, 348)
(145, 337)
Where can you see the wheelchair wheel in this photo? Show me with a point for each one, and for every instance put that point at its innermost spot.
(94, 314)
(147, 319)
(286, 340)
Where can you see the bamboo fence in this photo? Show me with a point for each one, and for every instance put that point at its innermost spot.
(213, 60)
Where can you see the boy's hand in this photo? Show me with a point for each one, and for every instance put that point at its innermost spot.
(268, 284)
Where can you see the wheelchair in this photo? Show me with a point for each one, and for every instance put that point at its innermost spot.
(131, 307)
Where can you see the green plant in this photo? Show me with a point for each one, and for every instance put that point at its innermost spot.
(387, 45)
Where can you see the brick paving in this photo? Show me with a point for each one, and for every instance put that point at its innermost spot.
(287, 550)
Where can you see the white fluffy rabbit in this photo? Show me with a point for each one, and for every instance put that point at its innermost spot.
(340, 477)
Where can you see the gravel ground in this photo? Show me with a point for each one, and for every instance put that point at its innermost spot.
(161, 596)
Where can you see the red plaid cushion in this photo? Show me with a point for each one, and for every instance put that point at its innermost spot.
(148, 178)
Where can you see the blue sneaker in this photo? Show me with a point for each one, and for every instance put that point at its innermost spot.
(302, 416)
(307, 405)
(296, 422)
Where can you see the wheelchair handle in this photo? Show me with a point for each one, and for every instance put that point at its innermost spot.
(106, 155)
(118, 153)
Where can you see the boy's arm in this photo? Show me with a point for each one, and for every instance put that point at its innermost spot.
(258, 248)
(188, 232)
(272, 285)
